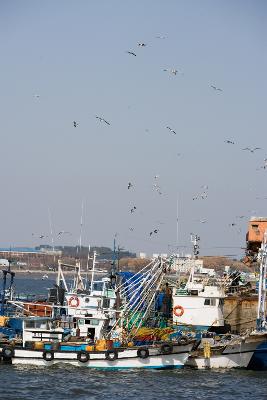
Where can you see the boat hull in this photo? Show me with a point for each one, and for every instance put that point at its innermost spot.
(259, 358)
(127, 359)
(232, 356)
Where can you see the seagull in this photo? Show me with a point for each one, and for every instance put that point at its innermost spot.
(216, 88)
(160, 37)
(171, 130)
(63, 232)
(141, 44)
(232, 224)
(133, 209)
(240, 216)
(156, 176)
(130, 185)
(155, 231)
(252, 150)
(75, 124)
(102, 120)
(173, 71)
(37, 96)
(131, 52)
(131, 229)
(229, 141)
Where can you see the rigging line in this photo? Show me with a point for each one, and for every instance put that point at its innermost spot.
(130, 304)
(124, 311)
(140, 278)
(135, 304)
(148, 307)
(143, 295)
(134, 283)
(141, 270)
(141, 305)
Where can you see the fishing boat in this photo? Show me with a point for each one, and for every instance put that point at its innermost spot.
(229, 352)
(46, 343)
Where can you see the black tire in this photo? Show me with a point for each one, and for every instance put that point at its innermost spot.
(7, 353)
(183, 340)
(166, 348)
(83, 356)
(48, 355)
(111, 355)
(143, 353)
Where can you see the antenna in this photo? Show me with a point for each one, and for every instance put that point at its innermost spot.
(195, 239)
(177, 223)
(81, 227)
(51, 232)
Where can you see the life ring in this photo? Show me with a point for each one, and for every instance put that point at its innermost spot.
(166, 348)
(74, 301)
(178, 314)
(83, 356)
(111, 355)
(143, 352)
(7, 353)
(48, 355)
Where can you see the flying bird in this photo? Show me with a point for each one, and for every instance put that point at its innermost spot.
(141, 44)
(252, 150)
(216, 88)
(229, 141)
(133, 209)
(131, 229)
(131, 52)
(102, 120)
(153, 232)
(37, 96)
(171, 130)
(130, 185)
(160, 37)
(63, 232)
(173, 71)
(75, 124)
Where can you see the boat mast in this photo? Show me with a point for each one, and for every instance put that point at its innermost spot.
(261, 314)
(93, 272)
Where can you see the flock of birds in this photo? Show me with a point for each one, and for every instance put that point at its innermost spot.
(203, 193)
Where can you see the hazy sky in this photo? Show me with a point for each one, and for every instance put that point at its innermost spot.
(73, 55)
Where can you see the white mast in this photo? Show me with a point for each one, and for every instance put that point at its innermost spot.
(261, 314)
(93, 272)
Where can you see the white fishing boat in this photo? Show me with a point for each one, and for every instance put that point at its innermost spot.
(164, 356)
(198, 304)
(235, 352)
(45, 343)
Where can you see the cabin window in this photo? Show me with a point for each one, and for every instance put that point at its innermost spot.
(254, 226)
(98, 286)
(105, 303)
(210, 302)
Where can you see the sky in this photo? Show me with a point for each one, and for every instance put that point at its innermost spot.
(65, 61)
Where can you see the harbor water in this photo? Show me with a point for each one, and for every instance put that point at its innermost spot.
(67, 382)
(56, 383)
